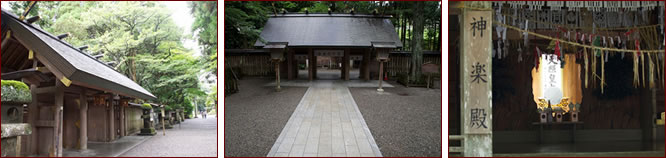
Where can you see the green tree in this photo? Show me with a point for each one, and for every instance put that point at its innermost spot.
(140, 37)
(205, 27)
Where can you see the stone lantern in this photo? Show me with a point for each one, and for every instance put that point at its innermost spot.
(15, 94)
(148, 128)
(277, 50)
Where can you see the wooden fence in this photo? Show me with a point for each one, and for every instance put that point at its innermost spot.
(251, 65)
(399, 64)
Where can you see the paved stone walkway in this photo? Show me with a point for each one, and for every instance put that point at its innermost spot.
(195, 137)
(107, 149)
(326, 123)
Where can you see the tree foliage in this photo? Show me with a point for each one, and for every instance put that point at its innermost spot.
(205, 27)
(245, 20)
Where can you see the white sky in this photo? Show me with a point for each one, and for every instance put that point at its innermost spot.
(180, 13)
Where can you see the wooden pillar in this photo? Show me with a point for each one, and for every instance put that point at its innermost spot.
(345, 64)
(312, 68)
(381, 69)
(366, 65)
(476, 80)
(290, 64)
(277, 75)
(59, 105)
(83, 130)
(112, 131)
(33, 116)
(122, 121)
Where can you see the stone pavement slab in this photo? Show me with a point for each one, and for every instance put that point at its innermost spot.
(326, 123)
(107, 149)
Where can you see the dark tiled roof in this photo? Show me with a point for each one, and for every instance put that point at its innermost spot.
(79, 67)
(324, 30)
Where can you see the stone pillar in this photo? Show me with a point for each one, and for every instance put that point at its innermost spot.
(83, 130)
(13, 128)
(476, 79)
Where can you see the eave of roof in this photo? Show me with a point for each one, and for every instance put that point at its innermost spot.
(77, 66)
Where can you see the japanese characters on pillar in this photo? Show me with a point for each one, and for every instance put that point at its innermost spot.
(552, 78)
(477, 72)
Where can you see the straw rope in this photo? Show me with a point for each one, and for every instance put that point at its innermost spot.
(577, 44)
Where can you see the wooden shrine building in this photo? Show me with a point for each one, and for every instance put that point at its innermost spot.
(76, 97)
(294, 38)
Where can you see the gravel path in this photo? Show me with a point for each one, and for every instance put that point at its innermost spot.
(406, 122)
(193, 138)
(256, 115)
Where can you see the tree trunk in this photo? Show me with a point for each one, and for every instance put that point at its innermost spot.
(417, 41)
(404, 30)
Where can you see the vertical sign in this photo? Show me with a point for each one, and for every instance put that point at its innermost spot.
(551, 78)
(476, 72)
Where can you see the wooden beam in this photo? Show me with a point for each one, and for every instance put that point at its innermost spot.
(45, 90)
(43, 70)
(45, 123)
(13, 56)
(5, 39)
(59, 75)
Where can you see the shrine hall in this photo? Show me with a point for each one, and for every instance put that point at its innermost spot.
(346, 41)
(556, 78)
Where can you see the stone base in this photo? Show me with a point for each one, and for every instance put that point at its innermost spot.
(9, 147)
(10, 134)
(147, 132)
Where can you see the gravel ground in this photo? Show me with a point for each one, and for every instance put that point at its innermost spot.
(256, 115)
(405, 122)
(193, 138)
